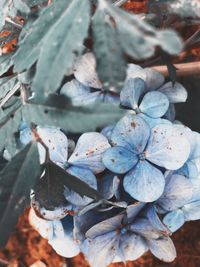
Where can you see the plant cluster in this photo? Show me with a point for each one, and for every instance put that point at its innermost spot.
(144, 170)
(93, 137)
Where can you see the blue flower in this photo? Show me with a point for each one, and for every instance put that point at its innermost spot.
(84, 162)
(58, 232)
(180, 201)
(190, 168)
(154, 81)
(122, 237)
(138, 150)
(150, 105)
(87, 88)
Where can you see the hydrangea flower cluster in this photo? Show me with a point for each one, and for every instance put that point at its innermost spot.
(146, 169)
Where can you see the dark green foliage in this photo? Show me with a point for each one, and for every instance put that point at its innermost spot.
(16, 179)
(49, 191)
(49, 44)
(111, 64)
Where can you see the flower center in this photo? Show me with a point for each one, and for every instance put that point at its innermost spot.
(137, 110)
(123, 231)
(142, 156)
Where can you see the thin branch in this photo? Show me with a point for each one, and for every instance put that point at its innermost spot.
(120, 2)
(10, 94)
(183, 69)
(8, 19)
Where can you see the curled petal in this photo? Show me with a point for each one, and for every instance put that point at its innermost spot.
(144, 182)
(131, 132)
(89, 150)
(108, 186)
(119, 159)
(168, 147)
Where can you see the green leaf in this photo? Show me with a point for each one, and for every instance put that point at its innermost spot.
(49, 191)
(62, 45)
(30, 46)
(6, 84)
(73, 119)
(16, 181)
(9, 124)
(111, 63)
(170, 41)
(55, 39)
(5, 63)
(138, 38)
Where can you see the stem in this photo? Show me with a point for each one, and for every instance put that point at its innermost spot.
(38, 139)
(8, 19)
(120, 2)
(10, 94)
(183, 69)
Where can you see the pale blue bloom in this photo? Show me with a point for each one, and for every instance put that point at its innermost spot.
(122, 237)
(137, 150)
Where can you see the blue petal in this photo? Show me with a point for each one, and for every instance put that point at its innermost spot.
(154, 104)
(89, 150)
(163, 249)
(195, 146)
(144, 182)
(105, 226)
(108, 186)
(109, 97)
(153, 79)
(152, 122)
(131, 132)
(178, 191)
(43, 227)
(143, 227)
(132, 247)
(84, 175)
(189, 169)
(85, 71)
(57, 143)
(135, 71)
(192, 211)
(79, 94)
(174, 220)
(176, 93)
(133, 210)
(25, 134)
(63, 242)
(102, 250)
(168, 147)
(155, 221)
(131, 92)
(119, 160)
(196, 189)
(107, 132)
(171, 113)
